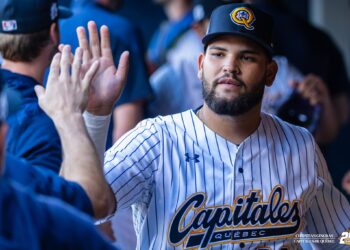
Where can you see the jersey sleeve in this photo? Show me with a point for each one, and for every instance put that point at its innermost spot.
(131, 164)
(330, 211)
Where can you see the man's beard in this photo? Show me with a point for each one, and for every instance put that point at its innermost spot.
(238, 106)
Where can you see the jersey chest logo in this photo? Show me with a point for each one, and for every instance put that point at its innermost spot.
(249, 219)
(192, 158)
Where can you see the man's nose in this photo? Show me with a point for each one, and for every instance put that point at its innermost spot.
(231, 66)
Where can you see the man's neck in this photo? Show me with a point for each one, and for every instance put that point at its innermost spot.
(34, 69)
(233, 128)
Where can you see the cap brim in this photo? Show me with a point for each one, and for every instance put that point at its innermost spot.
(64, 12)
(211, 37)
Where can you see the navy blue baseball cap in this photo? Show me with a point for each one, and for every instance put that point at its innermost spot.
(241, 20)
(29, 16)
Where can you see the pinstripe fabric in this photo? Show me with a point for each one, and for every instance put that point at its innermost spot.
(183, 181)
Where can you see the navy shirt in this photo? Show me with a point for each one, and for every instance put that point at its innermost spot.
(32, 134)
(45, 182)
(32, 222)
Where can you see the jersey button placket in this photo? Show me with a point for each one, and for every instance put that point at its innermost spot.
(239, 165)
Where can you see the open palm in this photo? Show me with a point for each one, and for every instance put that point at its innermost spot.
(108, 82)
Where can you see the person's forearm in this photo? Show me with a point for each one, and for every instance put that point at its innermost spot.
(97, 127)
(82, 164)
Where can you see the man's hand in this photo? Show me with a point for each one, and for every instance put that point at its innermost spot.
(314, 89)
(64, 100)
(109, 81)
(66, 93)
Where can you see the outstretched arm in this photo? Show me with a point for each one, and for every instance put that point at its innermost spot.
(107, 85)
(64, 99)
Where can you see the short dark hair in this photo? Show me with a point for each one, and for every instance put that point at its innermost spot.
(23, 47)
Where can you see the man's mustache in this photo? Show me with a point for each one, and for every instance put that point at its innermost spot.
(228, 75)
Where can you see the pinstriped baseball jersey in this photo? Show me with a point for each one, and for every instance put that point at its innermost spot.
(191, 188)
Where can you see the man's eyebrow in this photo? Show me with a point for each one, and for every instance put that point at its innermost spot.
(250, 51)
(217, 48)
(244, 51)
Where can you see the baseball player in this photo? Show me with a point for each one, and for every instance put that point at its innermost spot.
(224, 176)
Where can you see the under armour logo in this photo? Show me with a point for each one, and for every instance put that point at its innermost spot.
(192, 158)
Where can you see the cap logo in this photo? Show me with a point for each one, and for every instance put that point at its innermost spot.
(54, 11)
(243, 16)
(9, 25)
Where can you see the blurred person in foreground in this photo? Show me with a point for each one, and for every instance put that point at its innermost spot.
(29, 37)
(31, 221)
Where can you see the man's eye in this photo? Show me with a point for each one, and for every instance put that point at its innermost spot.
(218, 54)
(248, 58)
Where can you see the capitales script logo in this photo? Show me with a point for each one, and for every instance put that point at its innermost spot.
(249, 219)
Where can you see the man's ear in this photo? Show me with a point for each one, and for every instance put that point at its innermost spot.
(271, 72)
(54, 33)
(200, 66)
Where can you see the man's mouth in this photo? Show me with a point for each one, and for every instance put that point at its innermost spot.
(230, 81)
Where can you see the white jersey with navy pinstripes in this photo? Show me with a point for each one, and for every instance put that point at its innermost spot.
(191, 188)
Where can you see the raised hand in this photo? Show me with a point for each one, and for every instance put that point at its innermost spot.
(313, 88)
(108, 82)
(66, 91)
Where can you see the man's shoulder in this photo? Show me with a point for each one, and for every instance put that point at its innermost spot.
(175, 119)
(17, 81)
(284, 129)
(31, 118)
(32, 133)
(164, 125)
